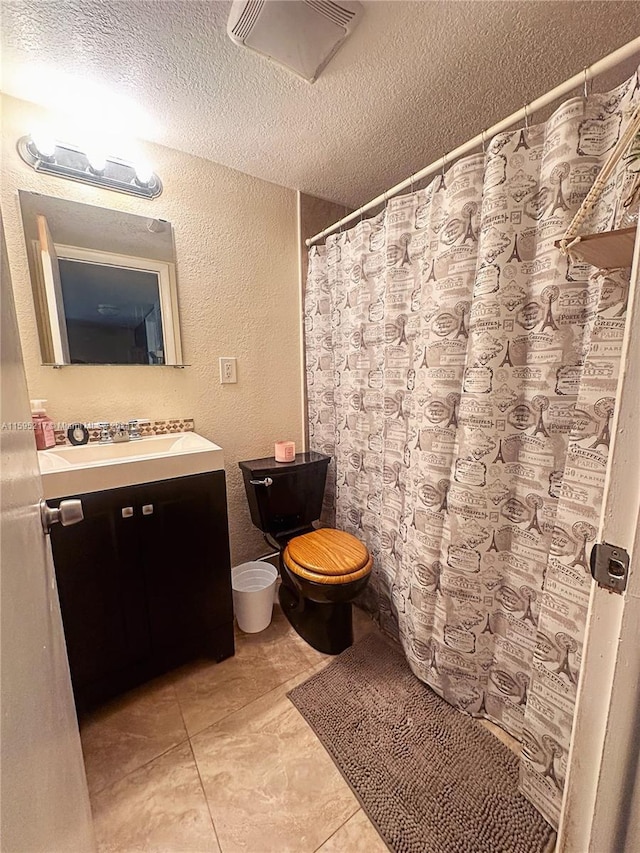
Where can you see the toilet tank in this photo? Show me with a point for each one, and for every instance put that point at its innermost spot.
(293, 499)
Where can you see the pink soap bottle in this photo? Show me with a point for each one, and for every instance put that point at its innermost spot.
(42, 425)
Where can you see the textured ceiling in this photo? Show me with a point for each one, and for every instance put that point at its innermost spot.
(415, 80)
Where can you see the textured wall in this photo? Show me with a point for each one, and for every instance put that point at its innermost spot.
(237, 260)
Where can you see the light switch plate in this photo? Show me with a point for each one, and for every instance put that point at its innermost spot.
(228, 371)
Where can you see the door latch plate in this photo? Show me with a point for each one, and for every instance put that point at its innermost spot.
(610, 567)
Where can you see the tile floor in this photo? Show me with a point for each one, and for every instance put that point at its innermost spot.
(213, 758)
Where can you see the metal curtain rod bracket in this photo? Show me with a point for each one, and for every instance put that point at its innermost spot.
(579, 79)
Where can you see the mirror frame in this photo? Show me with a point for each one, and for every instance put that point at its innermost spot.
(43, 254)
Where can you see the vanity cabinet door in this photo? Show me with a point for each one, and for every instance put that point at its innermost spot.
(102, 595)
(185, 555)
(144, 583)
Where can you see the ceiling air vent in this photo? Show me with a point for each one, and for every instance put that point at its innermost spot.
(302, 35)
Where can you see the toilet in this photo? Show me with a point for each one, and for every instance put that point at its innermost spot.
(322, 569)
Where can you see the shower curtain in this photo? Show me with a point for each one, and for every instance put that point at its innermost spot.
(462, 374)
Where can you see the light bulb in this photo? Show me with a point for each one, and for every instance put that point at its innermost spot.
(144, 173)
(97, 161)
(44, 144)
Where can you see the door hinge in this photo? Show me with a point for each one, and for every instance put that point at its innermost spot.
(610, 566)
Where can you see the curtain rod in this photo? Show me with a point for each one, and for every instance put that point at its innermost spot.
(599, 67)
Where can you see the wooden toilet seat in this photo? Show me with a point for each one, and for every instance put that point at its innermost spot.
(328, 556)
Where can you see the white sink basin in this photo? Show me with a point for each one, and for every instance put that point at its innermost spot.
(95, 467)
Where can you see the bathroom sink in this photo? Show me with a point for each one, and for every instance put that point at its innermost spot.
(95, 467)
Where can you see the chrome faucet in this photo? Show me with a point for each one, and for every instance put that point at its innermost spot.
(119, 431)
(134, 431)
(105, 431)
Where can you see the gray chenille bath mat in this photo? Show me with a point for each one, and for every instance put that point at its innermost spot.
(431, 779)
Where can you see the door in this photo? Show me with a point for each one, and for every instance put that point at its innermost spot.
(45, 804)
(102, 596)
(185, 554)
(601, 809)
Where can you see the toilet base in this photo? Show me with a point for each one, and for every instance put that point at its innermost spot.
(327, 627)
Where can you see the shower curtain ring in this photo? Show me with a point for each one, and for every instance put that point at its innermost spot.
(443, 160)
(586, 80)
(526, 116)
(483, 146)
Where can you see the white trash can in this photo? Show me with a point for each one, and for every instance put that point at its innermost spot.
(253, 586)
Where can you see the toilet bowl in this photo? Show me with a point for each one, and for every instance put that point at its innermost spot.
(327, 564)
(322, 569)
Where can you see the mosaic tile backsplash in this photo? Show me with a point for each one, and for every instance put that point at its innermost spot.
(150, 428)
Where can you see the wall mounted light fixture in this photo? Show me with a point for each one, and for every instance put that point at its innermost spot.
(67, 161)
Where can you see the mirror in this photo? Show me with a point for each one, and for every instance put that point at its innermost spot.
(104, 283)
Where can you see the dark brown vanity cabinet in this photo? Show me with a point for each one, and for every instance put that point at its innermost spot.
(144, 582)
